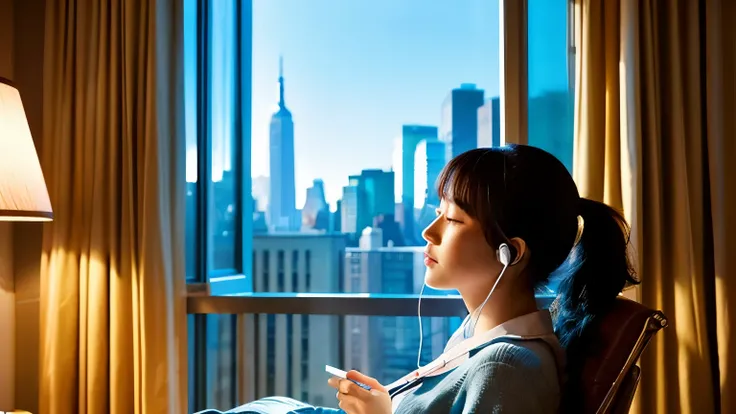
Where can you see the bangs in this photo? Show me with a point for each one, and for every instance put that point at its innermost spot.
(466, 182)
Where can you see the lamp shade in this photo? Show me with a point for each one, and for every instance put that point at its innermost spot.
(23, 193)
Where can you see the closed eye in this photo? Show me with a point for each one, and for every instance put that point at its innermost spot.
(438, 212)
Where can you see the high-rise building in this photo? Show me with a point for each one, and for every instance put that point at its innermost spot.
(282, 189)
(316, 211)
(429, 160)
(368, 195)
(259, 219)
(289, 352)
(489, 123)
(261, 192)
(459, 123)
(390, 230)
(336, 218)
(404, 156)
(349, 209)
(386, 347)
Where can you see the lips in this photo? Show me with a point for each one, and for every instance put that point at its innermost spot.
(430, 258)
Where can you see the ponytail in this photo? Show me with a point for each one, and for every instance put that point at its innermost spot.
(598, 270)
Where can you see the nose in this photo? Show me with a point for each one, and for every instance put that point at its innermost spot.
(431, 233)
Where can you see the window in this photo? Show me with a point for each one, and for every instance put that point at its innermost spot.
(190, 108)
(218, 235)
(223, 138)
(550, 102)
(315, 133)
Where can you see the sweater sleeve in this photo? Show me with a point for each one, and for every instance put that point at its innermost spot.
(497, 387)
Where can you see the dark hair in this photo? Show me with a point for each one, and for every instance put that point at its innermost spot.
(522, 191)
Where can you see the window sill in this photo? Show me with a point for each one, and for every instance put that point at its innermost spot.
(361, 304)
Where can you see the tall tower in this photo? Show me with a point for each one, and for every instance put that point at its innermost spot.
(459, 124)
(282, 203)
(404, 152)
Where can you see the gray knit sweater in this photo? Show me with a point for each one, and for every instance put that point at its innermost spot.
(506, 376)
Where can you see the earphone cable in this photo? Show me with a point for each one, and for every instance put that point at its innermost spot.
(480, 309)
(421, 334)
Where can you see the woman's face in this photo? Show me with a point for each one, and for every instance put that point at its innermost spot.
(457, 254)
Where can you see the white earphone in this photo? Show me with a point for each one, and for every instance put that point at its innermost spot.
(504, 254)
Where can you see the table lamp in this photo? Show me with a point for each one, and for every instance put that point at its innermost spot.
(23, 193)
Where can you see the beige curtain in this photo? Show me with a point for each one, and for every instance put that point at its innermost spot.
(655, 135)
(112, 282)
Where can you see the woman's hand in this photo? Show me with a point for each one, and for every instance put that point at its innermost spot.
(356, 400)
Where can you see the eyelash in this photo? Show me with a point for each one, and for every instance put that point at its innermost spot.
(451, 220)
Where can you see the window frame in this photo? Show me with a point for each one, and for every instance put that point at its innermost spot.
(514, 83)
(206, 278)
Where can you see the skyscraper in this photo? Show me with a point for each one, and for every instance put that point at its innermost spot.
(316, 212)
(260, 190)
(349, 209)
(282, 189)
(459, 123)
(429, 160)
(368, 195)
(405, 147)
(489, 123)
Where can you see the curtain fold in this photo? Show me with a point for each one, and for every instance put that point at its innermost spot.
(720, 127)
(654, 135)
(113, 315)
(596, 128)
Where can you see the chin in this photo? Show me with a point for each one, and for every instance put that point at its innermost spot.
(437, 280)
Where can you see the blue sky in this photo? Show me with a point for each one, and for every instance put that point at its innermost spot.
(356, 70)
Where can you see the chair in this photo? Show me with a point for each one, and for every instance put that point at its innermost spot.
(609, 374)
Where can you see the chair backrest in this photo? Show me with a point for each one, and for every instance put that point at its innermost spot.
(610, 352)
(624, 397)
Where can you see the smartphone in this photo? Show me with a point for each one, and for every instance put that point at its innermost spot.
(342, 374)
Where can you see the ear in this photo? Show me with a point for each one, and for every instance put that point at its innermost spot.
(520, 249)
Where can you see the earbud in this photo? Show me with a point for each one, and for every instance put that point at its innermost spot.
(504, 254)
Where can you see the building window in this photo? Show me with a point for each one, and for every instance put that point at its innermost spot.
(295, 271)
(280, 270)
(308, 271)
(265, 267)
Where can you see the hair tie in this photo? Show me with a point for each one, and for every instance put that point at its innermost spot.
(581, 227)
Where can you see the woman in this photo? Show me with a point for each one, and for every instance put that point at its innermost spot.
(509, 219)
